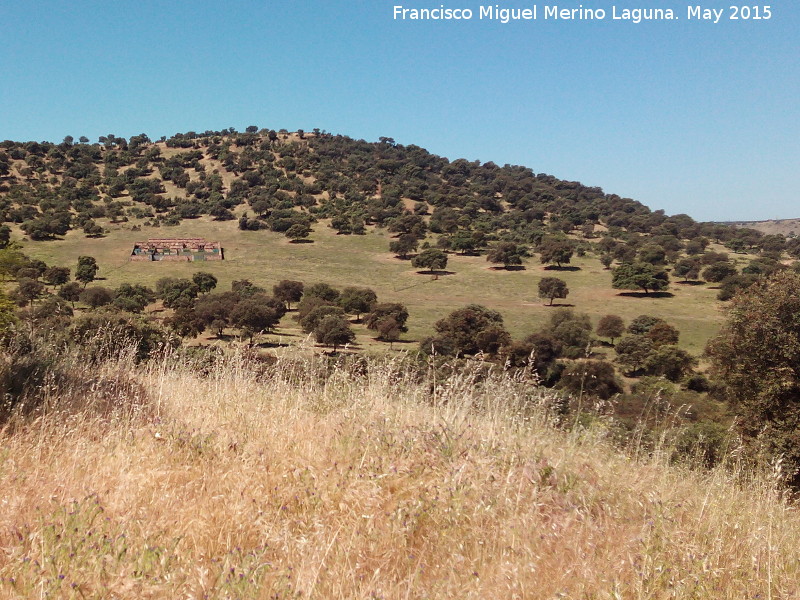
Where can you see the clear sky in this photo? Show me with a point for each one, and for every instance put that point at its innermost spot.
(686, 115)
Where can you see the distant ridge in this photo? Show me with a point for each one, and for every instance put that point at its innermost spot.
(785, 227)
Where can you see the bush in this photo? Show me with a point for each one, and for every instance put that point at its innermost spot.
(106, 334)
(756, 356)
(333, 330)
(590, 377)
(462, 327)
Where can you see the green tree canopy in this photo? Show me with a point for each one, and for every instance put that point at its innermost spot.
(389, 310)
(431, 260)
(356, 301)
(669, 361)
(204, 281)
(298, 231)
(177, 292)
(404, 245)
(314, 317)
(255, 315)
(718, 271)
(640, 275)
(633, 351)
(87, 269)
(552, 287)
(288, 291)
(610, 326)
(590, 377)
(506, 253)
(463, 326)
(556, 250)
(97, 296)
(323, 291)
(333, 330)
(56, 275)
(756, 356)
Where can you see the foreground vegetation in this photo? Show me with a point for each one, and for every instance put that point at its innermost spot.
(233, 478)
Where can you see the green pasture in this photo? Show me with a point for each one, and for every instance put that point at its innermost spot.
(265, 258)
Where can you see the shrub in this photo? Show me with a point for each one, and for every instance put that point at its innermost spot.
(756, 356)
(590, 377)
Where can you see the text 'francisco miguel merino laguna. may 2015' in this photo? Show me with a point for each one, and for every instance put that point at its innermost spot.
(548, 12)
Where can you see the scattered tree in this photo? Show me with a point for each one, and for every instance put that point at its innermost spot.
(334, 330)
(556, 250)
(28, 290)
(642, 324)
(669, 361)
(323, 291)
(314, 317)
(204, 281)
(356, 301)
(255, 315)
(634, 276)
(572, 330)
(462, 327)
(133, 297)
(70, 292)
(95, 297)
(431, 259)
(610, 326)
(389, 320)
(177, 292)
(552, 287)
(633, 350)
(56, 275)
(288, 291)
(87, 270)
(507, 253)
(298, 231)
(663, 334)
(404, 245)
(687, 269)
(718, 271)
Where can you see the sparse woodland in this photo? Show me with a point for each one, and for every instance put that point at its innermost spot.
(162, 438)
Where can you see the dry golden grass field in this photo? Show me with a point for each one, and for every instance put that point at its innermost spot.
(368, 482)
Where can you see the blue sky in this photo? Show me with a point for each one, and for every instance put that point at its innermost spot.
(691, 117)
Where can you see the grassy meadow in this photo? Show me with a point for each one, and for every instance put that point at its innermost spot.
(368, 484)
(265, 258)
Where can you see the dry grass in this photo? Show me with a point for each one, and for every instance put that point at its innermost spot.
(367, 484)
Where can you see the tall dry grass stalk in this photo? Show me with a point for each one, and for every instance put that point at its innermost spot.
(365, 481)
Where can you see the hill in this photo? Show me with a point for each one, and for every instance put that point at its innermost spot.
(784, 227)
(247, 189)
(361, 218)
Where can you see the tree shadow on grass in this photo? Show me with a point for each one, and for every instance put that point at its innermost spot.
(301, 241)
(375, 339)
(271, 344)
(562, 268)
(436, 273)
(559, 305)
(508, 268)
(350, 349)
(691, 282)
(650, 295)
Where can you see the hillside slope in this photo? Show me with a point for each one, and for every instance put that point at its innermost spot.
(364, 482)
